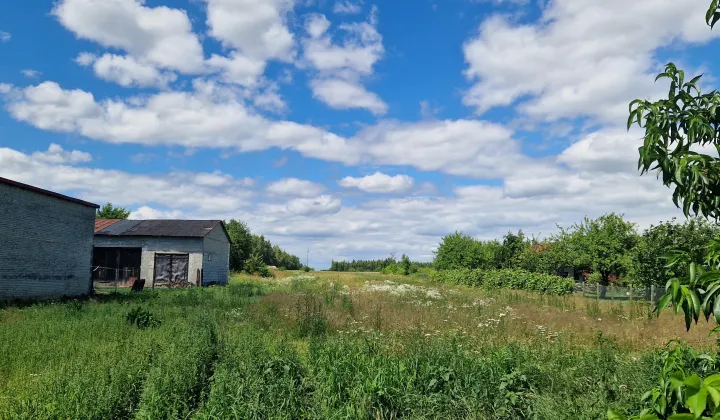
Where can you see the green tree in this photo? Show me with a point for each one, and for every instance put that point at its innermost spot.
(240, 243)
(254, 264)
(108, 211)
(511, 249)
(458, 250)
(405, 264)
(604, 244)
(648, 257)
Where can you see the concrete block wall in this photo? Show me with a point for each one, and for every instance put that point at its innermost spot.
(45, 245)
(217, 257)
(151, 245)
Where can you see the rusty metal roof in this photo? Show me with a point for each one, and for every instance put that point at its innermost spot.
(101, 224)
(168, 228)
(46, 192)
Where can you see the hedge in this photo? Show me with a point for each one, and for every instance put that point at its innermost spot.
(508, 279)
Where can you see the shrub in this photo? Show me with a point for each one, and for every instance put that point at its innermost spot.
(507, 279)
(142, 318)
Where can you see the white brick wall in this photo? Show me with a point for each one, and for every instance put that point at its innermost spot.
(217, 266)
(45, 245)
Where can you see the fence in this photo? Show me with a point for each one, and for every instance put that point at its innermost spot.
(108, 277)
(595, 291)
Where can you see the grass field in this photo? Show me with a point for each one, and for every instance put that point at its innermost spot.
(330, 345)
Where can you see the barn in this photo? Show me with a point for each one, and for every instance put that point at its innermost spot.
(46, 242)
(161, 252)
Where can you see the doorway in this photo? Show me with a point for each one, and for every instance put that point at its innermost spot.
(171, 269)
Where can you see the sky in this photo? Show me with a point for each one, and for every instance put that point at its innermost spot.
(349, 128)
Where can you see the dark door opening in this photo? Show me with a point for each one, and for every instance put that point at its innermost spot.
(171, 269)
(117, 267)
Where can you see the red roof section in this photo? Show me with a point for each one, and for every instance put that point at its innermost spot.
(101, 224)
(46, 192)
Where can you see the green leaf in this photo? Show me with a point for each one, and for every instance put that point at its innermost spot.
(663, 303)
(714, 395)
(683, 416)
(614, 415)
(696, 395)
(711, 11)
(716, 309)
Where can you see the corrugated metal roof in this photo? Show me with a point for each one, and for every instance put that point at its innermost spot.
(46, 192)
(169, 228)
(101, 224)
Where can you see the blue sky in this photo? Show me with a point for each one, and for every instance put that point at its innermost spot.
(355, 128)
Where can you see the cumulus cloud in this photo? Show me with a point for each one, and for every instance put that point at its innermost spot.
(347, 7)
(31, 74)
(55, 169)
(210, 118)
(56, 154)
(126, 71)
(587, 58)
(159, 35)
(340, 67)
(293, 187)
(342, 94)
(322, 205)
(379, 183)
(256, 31)
(5, 36)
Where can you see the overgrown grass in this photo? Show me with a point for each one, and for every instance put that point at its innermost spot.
(328, 346)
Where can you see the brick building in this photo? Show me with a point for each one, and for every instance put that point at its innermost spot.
(46, 242)
(161, 252)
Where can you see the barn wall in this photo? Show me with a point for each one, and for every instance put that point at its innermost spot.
(45, 245)
(217, 257)
(150, 246)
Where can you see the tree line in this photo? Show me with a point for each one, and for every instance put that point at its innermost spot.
(388, 265)
(604, 250)
(252, 253)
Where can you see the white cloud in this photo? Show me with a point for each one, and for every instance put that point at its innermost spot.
(5, 36)
(208, 117)
(427, 111)
(31, 74)
(159, 35)
(212, 117)
(347, 7)
(56, 154)
(581, 58)
(49, 107)
(379, 183)
(149, 213)
(293, 187)
(610, 150)
(459, 147)
(342, 94)
(340, 67)
(192, 192)
(256, 31)
(126, 71)
(322, 205)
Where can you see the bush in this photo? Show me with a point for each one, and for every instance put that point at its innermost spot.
(507, 279)
(142, 318)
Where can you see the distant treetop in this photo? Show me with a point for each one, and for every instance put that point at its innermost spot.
(109, 212)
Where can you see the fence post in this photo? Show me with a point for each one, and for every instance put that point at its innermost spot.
(597, 291)
(630, 293)
(652, 293)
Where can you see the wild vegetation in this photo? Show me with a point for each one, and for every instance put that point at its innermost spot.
(389, 265)
(253, 253)
(108, 211)
(331, 345)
